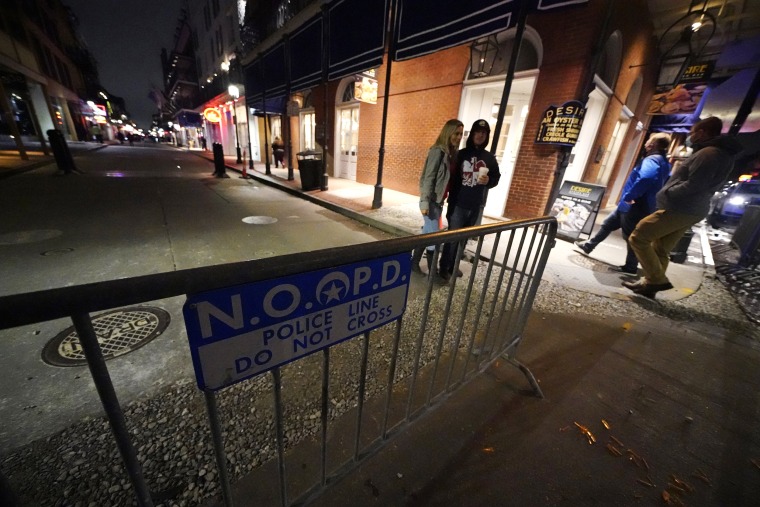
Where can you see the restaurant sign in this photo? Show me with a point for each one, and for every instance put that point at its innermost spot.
(561, 125)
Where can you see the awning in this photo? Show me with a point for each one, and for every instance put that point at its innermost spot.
(360, 47)
(422, 27)
(305, 47)
(425, 27)
(275, 73)
(252, 81)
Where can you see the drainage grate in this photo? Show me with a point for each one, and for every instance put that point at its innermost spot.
(118, 331)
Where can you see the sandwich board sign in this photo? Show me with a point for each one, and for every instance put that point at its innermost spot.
(238, 332)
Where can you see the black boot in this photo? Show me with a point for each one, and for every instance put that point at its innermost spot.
(416, 258)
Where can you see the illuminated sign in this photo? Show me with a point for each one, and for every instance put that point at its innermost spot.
(365, 89)
(212, 115)
(98, 110)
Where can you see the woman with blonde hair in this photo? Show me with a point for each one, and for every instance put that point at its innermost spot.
(434, 180)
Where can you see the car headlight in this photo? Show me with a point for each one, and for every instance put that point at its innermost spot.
(736, 201)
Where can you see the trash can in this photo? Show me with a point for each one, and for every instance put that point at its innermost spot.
(679, 252)
(310, 167)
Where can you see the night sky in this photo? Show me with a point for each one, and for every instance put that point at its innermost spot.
(126, 38)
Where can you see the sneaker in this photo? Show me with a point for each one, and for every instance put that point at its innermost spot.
(625, 269)
(584, 247)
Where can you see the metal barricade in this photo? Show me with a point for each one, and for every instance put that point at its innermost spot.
(448, 335)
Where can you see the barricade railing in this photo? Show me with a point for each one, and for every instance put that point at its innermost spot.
(447, 334)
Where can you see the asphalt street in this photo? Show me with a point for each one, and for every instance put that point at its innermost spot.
(133, 211)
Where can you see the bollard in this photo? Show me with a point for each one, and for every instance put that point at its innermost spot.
(219, 168)
(61, 152)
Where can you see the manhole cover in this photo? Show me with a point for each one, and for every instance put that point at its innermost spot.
(592, 264)
(118, 331)
(20, 237)
(259, 220)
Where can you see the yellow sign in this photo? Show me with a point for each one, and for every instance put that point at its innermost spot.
(212, 115)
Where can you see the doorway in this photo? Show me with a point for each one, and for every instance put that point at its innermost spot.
(348, 139)
(347, 130)
(482, 101)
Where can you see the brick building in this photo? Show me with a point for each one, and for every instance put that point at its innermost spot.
(558, 49)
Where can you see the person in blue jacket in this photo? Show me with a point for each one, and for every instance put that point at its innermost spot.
(637, 199)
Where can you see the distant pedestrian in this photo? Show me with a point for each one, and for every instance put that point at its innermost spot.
(434, 180)
(682, 202)
(476, 171)
(278, 150)
(637, 199)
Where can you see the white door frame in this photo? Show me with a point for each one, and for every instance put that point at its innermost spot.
(521, 96)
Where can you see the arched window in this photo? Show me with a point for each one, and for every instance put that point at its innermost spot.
(608, 67)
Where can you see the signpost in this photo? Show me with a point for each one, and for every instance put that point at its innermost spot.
(576, 207)
(238, 332)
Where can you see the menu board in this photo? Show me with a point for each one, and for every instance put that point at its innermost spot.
(576, 204)
(561, 125)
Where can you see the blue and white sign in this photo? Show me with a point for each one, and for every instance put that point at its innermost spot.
(242, 331)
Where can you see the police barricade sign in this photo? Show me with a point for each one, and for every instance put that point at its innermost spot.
(238, 332)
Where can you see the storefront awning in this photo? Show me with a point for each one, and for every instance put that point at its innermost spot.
(357, 36)
(305, 47)
(422, 27)
(274, 71)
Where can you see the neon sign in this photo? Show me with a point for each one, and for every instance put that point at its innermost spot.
(212, 115)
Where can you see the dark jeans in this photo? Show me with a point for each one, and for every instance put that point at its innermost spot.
(458, 219)
(627, 223)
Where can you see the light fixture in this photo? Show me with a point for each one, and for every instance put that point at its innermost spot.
(226, 66)
(234, 91)
(483, 53)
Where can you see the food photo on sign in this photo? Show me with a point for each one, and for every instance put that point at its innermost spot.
(681, 99)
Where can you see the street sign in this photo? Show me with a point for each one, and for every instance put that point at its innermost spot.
(238, 332)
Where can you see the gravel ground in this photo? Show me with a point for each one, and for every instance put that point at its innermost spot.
(81, 466)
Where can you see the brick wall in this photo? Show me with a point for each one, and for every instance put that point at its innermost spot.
(569, 38)
(425, 92)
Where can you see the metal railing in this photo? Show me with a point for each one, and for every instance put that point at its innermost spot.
(432, 353)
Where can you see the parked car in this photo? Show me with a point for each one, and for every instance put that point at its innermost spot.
(728, 204)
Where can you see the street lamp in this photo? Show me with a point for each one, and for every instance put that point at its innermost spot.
(234, 92)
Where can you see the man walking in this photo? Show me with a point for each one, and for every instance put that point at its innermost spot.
(682, 202)
(637, 199)
(476, 171)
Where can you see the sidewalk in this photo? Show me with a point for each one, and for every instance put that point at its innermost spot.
(567, 266)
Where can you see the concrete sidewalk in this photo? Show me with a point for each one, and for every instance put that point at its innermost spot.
(567, 265)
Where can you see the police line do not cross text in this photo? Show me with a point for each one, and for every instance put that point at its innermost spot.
(242, 331)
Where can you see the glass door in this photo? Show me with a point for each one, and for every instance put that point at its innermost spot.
(348, 137)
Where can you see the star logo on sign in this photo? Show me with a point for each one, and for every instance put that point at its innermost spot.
(333, 292)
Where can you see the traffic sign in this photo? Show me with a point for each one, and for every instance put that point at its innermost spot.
(242, 331)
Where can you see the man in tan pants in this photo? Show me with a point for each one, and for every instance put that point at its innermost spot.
(682, 202)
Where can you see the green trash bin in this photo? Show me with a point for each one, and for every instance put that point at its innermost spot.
(310, 167)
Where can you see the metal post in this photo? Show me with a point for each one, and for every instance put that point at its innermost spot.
(239, 159)
(325, 59)
(286, 116)
(522, 16)
(103, 384)
(216, 436)
(377, 201)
